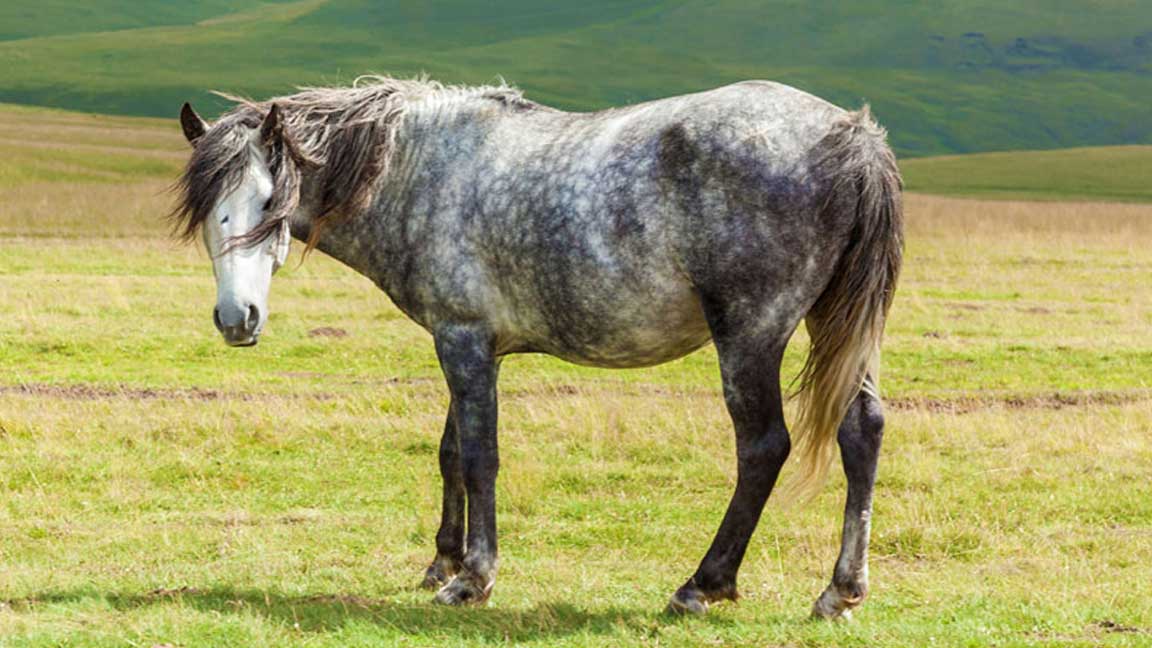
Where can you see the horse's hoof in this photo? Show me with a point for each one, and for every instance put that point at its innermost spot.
(438, 574)
(463, 590)
(687, 603)
(691, 599)
(833, 606)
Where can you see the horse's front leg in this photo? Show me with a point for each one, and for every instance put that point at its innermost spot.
(859, 436)
(470, 367)
(450, 537)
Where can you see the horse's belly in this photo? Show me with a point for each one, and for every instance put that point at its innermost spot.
(629, 337)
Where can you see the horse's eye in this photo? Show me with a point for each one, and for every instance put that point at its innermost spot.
(267, 204)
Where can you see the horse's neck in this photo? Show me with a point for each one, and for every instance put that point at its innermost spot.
(345, 240)
(362, 242)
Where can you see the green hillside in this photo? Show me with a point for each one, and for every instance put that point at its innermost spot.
(945, 77)
(56, 146)
(41, 147)
(1120, 173)
(55, 17)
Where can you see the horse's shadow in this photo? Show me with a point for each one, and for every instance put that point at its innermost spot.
(318, 613)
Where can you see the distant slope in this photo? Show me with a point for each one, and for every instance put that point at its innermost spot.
(1122, 173)
(40, 146)
(43, 147)
(74, 175)
(55, 17)
(945, 78)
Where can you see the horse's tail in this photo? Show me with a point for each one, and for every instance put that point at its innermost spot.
(847, 321)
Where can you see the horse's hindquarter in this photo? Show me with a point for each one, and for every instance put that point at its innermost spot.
(590, 237)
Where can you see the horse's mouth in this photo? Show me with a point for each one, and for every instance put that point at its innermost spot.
(251, 340)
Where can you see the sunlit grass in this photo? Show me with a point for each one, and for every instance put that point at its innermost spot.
(1105, 173)
(157, 487)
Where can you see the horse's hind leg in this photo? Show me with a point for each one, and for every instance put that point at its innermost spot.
(859, 438)
(450, 537)
(750, 367)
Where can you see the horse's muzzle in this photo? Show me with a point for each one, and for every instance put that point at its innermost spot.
(239, 323)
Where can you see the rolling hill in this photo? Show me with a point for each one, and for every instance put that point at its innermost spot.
(42, 147)
(951, 77)
(1108, 173)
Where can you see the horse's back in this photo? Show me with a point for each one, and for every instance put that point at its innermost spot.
(596, 235)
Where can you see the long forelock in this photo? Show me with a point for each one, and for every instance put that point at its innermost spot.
(216, 168)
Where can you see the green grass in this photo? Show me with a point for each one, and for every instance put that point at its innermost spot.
(972, 76)
(1108, 173)
(157, 487)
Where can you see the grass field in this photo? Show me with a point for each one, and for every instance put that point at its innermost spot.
(1116, 173)
(158, 488)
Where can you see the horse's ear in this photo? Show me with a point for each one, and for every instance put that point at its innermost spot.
(273, 131)
(194, 127)
(271, 126)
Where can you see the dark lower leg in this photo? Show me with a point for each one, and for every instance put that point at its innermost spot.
(470, 368)
(859, 437)
(477, 574)
(450, 537)
(752, 393)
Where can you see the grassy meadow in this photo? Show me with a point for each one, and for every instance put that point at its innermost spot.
(160, 489)
(1109, 173)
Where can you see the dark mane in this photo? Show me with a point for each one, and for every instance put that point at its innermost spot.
(346, 134)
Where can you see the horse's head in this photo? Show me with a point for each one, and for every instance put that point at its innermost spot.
(232, 193)
(306, 159)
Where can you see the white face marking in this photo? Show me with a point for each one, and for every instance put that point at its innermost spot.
(243, 274)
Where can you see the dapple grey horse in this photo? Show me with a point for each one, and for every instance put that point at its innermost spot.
(621, 238)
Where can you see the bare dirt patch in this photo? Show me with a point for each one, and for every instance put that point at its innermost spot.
(328, 331)
(1112, 626)
(947, 405)
(1054, 400)
(95, 392)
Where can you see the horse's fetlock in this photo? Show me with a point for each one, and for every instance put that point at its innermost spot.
(442, 569)
(482, 567)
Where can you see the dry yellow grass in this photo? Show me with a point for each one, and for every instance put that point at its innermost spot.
(1116, 226)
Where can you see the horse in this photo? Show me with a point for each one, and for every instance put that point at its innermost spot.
(622, 238)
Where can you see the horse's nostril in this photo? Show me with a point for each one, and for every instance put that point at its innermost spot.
(216, 319)
(253, 317)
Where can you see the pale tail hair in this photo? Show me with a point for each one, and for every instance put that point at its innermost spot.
(847, 322)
